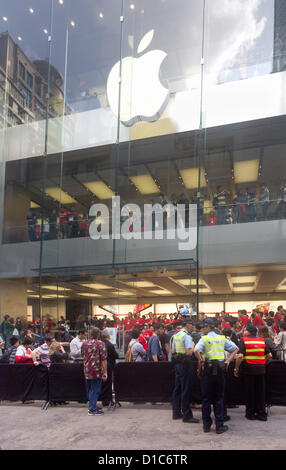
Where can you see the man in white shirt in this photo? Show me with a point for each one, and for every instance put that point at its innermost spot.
(76, 344)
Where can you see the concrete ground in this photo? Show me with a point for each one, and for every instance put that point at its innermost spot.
(138, 427)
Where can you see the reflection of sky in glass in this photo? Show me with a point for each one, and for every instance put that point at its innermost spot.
(239, 37)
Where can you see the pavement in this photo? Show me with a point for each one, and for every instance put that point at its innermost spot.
(131, 427)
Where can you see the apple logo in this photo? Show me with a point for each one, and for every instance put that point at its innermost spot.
(143, 97)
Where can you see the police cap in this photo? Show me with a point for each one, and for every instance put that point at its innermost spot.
(208, 322)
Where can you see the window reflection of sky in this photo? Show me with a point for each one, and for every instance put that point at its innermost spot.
(239, 39)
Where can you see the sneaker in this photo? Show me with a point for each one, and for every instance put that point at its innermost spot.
(95, 413)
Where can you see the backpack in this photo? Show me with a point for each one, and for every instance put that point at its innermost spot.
(128, 355)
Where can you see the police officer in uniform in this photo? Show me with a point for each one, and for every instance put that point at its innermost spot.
(182, 350)
(211, 368)
(253, 353)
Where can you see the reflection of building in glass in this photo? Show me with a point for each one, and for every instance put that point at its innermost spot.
(26, 86)
(279, 60)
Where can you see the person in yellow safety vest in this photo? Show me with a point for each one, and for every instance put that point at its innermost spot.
(182, 350)
(211, 369)
(253, 352)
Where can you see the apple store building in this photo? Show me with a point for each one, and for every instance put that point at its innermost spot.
(141, 157)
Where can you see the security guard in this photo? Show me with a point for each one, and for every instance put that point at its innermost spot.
(253, 352)
(181, 356)
(212, 347)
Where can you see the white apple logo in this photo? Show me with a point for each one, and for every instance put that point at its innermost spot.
(143, 98)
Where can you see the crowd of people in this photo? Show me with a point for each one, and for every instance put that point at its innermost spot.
(141, 328)
(154, 339)
(246, 205)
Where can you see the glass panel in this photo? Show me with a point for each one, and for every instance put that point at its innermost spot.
(160, 70)
(160, 73)
(82, 185)
(23, 45)
(242, 147)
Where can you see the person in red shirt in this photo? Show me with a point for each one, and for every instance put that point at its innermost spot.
(149, 332)
(24, 354)
(225, 323)
(128, 322)
(243, 317)
(150, 319)
(212, 219)
(141, 322)
(256, 319)
(278, 318)
(143, 338)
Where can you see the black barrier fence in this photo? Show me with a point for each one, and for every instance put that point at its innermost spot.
(133, 382)
(24, 382)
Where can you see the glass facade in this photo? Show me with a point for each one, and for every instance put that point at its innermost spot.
(120, 118)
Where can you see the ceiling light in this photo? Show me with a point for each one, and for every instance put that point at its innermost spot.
(45, 31)
(203, 290)
(100, 15)
(54, 296)
(246, 172)
(141, 284)
(243, 279)
(72, 23)
(97, 286)
(100, 189)
(145, 184)
(31, 10)
(132, 6)
(190, 178)
(4, 18)
(19, 38)
(90, 295)
(56, 288)
(243, 289)
(58, 195)
(192, 282)
(61, 2)
(160, 292)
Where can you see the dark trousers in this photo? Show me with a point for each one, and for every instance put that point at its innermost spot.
(221, 215)
(212, 387)
(254, 388)
(106, 389)
(93, 389)
(182, 390)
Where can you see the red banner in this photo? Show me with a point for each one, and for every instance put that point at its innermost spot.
(140, 308)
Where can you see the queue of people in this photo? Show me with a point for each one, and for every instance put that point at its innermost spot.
(205, 346)
(245, 205)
